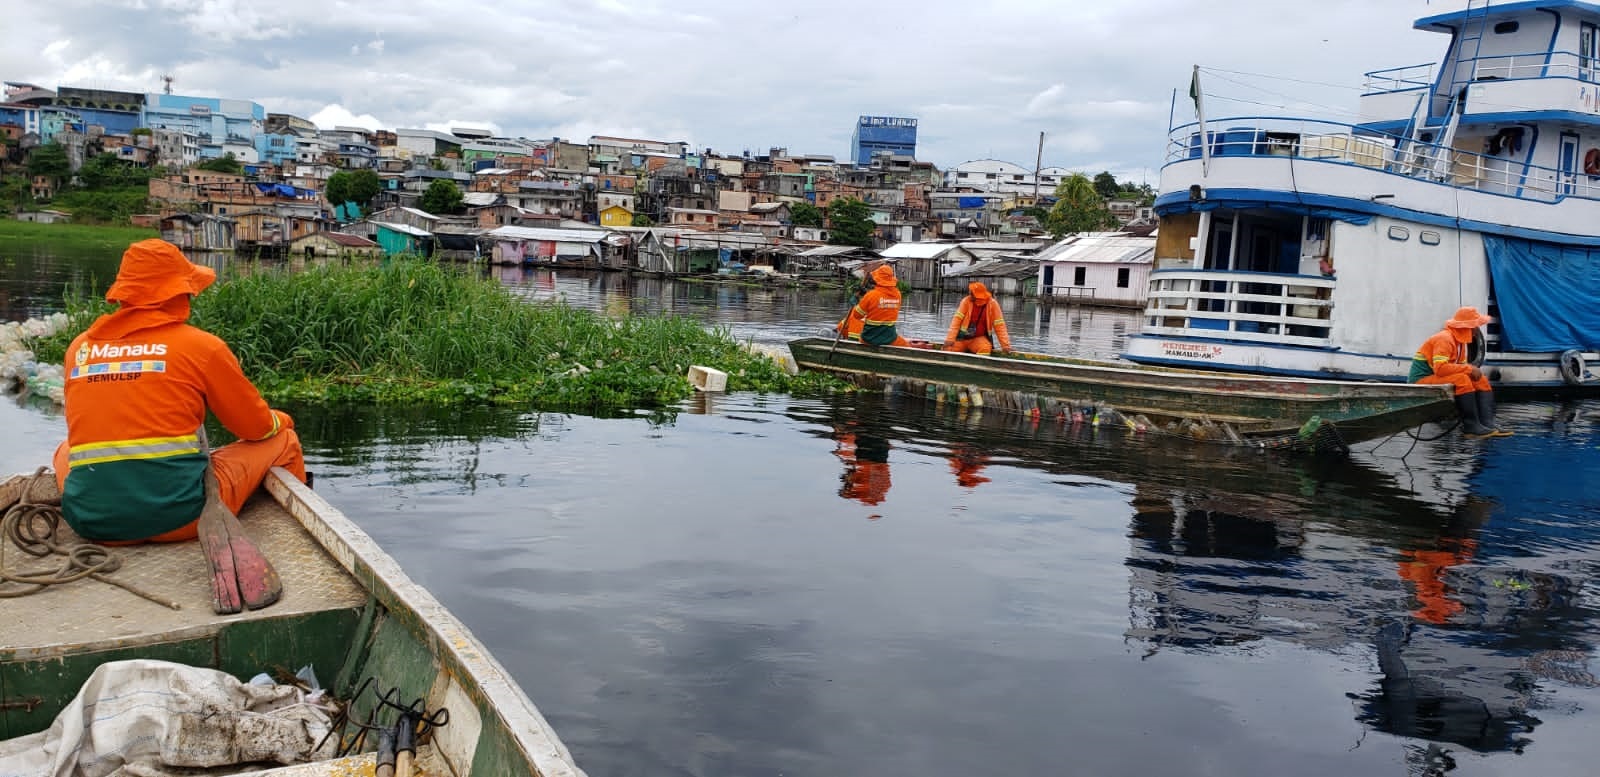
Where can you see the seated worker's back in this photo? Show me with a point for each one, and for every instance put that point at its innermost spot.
(139, 383)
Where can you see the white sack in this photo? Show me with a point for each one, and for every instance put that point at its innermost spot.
(146, 718)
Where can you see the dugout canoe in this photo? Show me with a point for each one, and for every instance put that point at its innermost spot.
(1253, 407)
(348, 610)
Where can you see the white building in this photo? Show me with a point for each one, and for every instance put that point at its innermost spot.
(993, 175)
(1098, 268)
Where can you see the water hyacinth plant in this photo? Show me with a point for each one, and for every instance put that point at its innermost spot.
(415, 331)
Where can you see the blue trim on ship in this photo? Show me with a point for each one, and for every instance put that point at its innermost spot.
(1555, 35)
(1179, 202)
(1445, 20)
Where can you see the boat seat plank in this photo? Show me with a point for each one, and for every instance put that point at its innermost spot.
(104, 617)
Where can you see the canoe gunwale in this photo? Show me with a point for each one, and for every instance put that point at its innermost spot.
(460, 653)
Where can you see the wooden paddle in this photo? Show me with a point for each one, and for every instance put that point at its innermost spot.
(241, 577)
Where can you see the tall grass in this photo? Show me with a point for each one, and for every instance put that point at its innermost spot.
(74, 235)
(413, 331)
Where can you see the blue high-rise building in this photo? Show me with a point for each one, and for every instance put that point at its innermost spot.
(882, 135)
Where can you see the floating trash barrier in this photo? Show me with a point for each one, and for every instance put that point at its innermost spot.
(1315, 435)
(19, 371)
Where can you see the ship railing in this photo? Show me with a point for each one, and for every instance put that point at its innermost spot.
(1525, 65)
(1261, 307)
(1505, 172)
(1400, 79)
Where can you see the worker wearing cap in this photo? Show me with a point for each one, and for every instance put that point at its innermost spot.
(873, 319)
(139, 383)
(977, 320)
(1442, 359)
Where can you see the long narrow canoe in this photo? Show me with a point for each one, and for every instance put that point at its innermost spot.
(347, 610)
(1255, 407)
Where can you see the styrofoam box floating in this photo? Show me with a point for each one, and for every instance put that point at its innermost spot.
(708, 378)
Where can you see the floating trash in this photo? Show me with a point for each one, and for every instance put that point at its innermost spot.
(19, 371)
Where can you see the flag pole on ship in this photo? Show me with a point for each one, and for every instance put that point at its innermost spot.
(1200, 116)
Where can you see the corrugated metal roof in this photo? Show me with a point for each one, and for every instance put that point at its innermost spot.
(834, 251)
(404, 229)
(918, 250)
(480, 199)
(419, 213)
(1102, 248)
(997, 268)
(547, 233)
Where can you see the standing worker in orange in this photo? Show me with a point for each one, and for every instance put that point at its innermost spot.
(139, 383)
(873, 319)
(977, 319)
(1442, 358)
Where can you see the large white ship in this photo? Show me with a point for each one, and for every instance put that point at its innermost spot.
(1306, 247)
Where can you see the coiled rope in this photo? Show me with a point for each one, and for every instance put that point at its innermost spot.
(31, 526)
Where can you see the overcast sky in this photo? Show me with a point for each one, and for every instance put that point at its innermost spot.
(984, 78)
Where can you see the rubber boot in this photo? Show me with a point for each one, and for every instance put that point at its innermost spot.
(1485, 401)
(1467, 408)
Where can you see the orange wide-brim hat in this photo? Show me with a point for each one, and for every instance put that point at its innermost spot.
(1467, 318)
(154, 271)
(978, 291)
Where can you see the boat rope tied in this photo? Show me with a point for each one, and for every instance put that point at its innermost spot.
(31, 525)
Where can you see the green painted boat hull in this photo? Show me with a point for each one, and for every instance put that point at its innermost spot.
(348, 610)
(1255, 406)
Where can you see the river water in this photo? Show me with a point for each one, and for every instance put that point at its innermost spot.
(876, 585)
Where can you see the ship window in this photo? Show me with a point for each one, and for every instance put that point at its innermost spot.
(1506, 28)
(1399, 233)
(1428, 237)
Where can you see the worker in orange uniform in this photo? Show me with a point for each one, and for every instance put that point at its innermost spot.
(139, 383)
(977, 319)
(872, 320)
(1443, 359)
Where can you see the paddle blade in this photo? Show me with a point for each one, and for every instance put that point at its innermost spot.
(225, 594)
(245, 578)
(259, 585)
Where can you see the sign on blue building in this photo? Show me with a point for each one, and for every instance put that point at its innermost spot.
(883, 134)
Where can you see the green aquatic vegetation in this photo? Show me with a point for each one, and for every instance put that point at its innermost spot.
(71, 235)
(415, 332)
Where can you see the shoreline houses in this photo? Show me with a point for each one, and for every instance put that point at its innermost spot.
(666, 207)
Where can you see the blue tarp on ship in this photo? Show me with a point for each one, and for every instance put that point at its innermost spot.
(1548, 295)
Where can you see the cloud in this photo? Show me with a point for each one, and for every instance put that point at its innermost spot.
(339, 116)
(728, 73)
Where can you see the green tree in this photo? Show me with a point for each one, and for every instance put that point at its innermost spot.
(850, 222)
(1079, 208)
(442, 198)
(804, 214)
(15, 193)
(1105, 184)
(365, 186)
(106, 171)
(50, 160)
(226, 163)
(337, 189)
(641, 220)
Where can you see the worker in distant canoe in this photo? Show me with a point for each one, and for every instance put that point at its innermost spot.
(139, 383)
(977, 320)
(873, 319)
(1442, 359)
